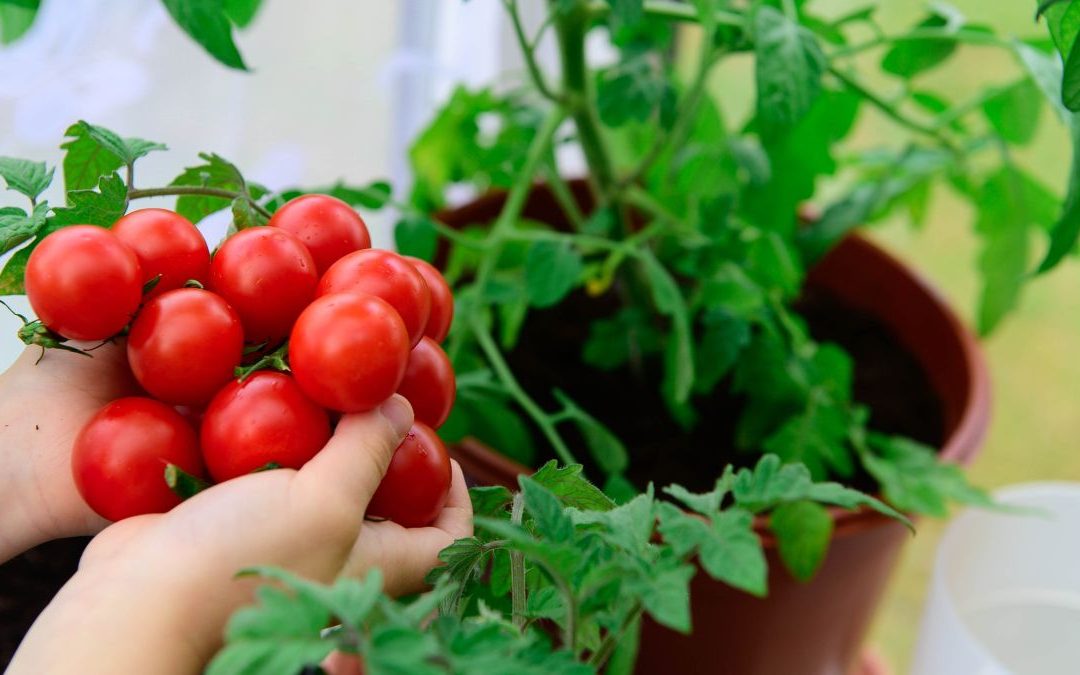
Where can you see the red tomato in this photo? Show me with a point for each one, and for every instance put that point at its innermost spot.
(268, 277)
(348, 352)
(185, 345)
(414, 490)
(167, 245)
(119, 457)
(329, 227)
(442, 300)
(84, 283)
(429, 383)
(385, 275)
(264, 419)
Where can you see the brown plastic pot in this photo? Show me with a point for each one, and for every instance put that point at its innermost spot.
(813, 628)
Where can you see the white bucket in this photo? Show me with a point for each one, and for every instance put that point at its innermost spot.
(1005, 594)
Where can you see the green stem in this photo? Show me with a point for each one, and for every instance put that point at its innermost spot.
(890, 111)
(528, 51)
(570, 628)
(517, 568)
(502, 370)
(571, 25)
(564, 196)
(178, 190)
(644, 201)
(611, 640)
(966, 36)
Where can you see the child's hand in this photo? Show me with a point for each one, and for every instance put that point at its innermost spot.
(42, 409)
(153, 593)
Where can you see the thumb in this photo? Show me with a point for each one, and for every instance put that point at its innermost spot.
(352, 464)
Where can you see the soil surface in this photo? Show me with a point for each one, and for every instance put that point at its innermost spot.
(887, 378)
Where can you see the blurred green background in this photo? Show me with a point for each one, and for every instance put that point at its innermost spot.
(1032, 363)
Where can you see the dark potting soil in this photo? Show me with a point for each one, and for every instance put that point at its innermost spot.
(28, 582)
(887, 379)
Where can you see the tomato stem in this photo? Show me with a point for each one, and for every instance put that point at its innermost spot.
(183, 483)
(180, 190)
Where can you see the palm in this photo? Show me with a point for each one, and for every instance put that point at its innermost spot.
(46, 406)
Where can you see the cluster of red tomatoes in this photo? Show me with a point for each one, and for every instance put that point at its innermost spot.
(357, 325)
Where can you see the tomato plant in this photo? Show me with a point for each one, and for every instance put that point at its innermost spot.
(429, 383)
(119, 457)
(414, 489)
(170, 249)
(328, 227)
(267, 276)
(348, 352)
(386, 275)
(185, 345)
(263, 420)
(84, 283)
(442, 300)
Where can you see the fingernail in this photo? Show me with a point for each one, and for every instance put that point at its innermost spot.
(398, 413)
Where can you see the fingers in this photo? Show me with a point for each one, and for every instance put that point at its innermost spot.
(354, 461)
(456, 516)
(406, 555)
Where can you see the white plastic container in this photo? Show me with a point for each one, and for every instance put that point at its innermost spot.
(1005, 593)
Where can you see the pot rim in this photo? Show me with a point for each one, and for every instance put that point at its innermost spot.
(959, 447)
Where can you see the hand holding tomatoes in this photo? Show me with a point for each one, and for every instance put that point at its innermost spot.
(344, 343)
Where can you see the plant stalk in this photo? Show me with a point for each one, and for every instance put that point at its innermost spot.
(517, 568)
(179, 190)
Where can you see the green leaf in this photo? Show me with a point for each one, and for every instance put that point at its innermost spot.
(789, 64)
(1046, 70)
(490, 500)
(816, 438)
(552, 269)
(16, 17)
(547, 512)
(216, 172)
(102, 207)
(25, 177)
(1011, 203)
(629, 91)
(1070, 81)
(706, 503)
(729, 549)
(415, 235)
(17, 226)
(1014, 111)
(910, 56)
(1066, 229)
(773, 264)
(914, 480)
(722, 341)
(207, 22)
(94, 151)
(241, 12)
(11, 279)
(605, 447)
(612, 342)
(279, 635)
(572, 488)
(803, 530)
(1063, 20)
(679, 364)
(665, 594)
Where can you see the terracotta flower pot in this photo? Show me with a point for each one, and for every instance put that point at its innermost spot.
(814, 628)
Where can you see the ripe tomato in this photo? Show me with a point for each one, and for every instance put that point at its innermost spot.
(119, 457)
(429, 383)
(264, 419)
(329, 227)
(442, 300)
(348, 352)
(386, 275)
(267, 275)
(84, 283)
(185, 345)
(416, 484)
(167, 245)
